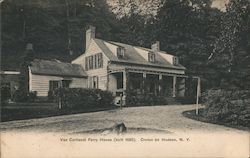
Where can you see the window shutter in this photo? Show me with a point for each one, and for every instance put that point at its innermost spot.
(91, 62)
(100, 61)
(86, 63)
(96, 61)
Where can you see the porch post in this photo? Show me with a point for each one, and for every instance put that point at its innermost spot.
(198, 94)
(107, 86)
(174, 86)
(160, 83)
(124, 87)
(124, 80)
(60, 95)
(143, 82)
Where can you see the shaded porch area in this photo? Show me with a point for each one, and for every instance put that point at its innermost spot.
(140, 85)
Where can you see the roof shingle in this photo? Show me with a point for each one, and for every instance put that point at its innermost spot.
(132, 55)
(56, 68)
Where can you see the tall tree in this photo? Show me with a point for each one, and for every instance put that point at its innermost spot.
(228, 51)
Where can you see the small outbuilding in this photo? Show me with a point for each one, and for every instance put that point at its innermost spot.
(47, 75)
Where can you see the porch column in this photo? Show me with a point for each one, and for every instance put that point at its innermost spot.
(174, 86)
(160, 83)
(107, 84)
(124, 80)
(181, 87)
(198, 94)
(143, 82)
(60, 97)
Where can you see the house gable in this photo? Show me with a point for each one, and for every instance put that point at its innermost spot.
(93, 49)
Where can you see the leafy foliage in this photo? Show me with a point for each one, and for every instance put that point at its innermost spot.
(208, 42)
(227, 106)
(142, 100)
(81, 98)
(22, 96)
(228, 48)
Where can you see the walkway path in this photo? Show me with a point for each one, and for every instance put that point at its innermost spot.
(167, 118)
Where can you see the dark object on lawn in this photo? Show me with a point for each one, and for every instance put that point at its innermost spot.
(119, 128)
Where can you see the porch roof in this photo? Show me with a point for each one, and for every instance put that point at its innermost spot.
(157, 72)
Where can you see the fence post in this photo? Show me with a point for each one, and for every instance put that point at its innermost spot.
(60, 95)
(197, 95)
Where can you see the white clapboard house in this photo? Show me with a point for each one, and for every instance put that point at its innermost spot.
(112, 66)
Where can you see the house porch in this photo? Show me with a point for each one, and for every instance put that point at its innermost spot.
(144, 82)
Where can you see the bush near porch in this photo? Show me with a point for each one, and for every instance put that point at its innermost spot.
(147, 99)
(230, 107)
(82, 97)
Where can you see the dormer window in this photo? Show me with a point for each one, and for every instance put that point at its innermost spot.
(120, 52)
(175, 61)
(151, 57)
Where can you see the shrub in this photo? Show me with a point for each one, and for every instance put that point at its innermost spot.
(21, 96)
(227, 106)
(81, 97)
(139, 100)
(51, 95)
(32, 96)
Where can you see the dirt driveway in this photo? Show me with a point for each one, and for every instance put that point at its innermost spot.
(167, 118)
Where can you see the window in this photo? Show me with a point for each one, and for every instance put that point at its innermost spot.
(94, 61)
(120, 52)
(151, 57)
(95, 82)
(175, 61)
(53, 85)
(86, 63)
(66, 83)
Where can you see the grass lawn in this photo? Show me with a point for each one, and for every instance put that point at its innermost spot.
(192, 115)
(21, 111)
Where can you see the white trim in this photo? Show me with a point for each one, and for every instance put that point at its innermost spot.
(30, 80)
(10, 72)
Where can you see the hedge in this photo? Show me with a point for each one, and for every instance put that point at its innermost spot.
(81, 97)
(22, 96)
(227, 106)
(147, 99)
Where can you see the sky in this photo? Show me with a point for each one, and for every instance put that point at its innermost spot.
(220, 4)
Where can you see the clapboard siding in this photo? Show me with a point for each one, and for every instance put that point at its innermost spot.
(101, 73)
(40, 83)
(103, 82)
(78, 83)
(112, 83)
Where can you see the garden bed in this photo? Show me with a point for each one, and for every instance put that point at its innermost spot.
(192, 115)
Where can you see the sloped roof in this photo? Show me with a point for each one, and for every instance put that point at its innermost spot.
(56, 68)
(133, 57)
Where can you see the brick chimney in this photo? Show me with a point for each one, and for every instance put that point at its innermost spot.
(156, 46)
(90, 34)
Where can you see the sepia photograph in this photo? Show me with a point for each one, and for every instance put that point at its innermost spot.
(125, 78)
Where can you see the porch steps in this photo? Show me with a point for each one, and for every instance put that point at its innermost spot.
(172, 101)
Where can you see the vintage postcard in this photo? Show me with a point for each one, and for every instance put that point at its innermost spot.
(125, 78)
